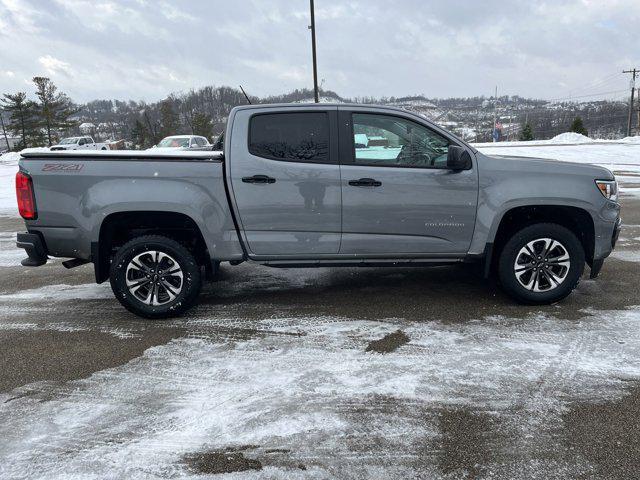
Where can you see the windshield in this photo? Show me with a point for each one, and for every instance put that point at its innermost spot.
(174, 142)
(67, 141)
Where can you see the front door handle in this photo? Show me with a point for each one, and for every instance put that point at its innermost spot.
(259, 179)
(365, 182)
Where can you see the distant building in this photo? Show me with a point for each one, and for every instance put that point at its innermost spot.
(87, 128)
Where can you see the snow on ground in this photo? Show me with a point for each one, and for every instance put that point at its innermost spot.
(310, 390)
(8, 169)
(10, 255)
(60, 293)
(622, 157)
(626, 255)
(562, 139)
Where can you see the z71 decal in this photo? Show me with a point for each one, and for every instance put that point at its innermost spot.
(62, 167)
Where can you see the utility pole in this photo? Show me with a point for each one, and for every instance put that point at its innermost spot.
(312, 27)
(495, 115)
(633, 72)
(638, 129)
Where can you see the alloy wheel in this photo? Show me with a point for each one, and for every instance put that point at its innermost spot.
(154, 278)
(542, 265)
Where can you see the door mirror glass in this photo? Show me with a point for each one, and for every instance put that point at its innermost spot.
(458, 158)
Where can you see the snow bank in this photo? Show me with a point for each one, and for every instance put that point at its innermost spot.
(10, 158)
(570, 137)
(8, 203)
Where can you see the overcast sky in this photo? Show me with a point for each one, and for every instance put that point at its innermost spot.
(146, 49)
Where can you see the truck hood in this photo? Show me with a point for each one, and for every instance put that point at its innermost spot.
(547, 166)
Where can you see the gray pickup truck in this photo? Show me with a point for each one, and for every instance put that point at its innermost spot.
(316, 186)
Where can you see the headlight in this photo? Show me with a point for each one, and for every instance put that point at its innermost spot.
(608, 188)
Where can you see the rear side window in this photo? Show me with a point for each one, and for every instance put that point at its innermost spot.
(293, 137)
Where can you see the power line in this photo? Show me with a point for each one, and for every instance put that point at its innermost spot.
(594, 84)
(587, 95)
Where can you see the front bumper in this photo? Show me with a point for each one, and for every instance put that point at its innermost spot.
(616, 233)
(35, 248)
(597, 264)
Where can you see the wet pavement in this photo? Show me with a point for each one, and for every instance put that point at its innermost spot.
(322, 373)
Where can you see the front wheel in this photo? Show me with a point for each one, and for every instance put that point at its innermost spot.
(155, 277)
(541, 264)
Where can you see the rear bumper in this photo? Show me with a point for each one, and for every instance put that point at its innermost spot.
(35, 248)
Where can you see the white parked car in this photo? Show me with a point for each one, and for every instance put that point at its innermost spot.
(182, 142)
(79, 143)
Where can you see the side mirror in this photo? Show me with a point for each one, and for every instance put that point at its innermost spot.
(458, 159)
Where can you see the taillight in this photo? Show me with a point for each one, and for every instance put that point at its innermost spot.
(26, 198)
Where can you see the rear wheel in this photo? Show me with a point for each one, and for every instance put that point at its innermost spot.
(541, 264)
(155, 277)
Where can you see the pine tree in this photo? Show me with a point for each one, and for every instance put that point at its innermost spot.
(578, 127)
(55, 108)
(139, 134)
(527, 133)
(23, 120)
(202, 125)
(168, 119)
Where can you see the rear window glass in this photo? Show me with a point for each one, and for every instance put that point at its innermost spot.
(294, 137)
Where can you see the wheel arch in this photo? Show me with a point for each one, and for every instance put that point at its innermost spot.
(576, 219)
(117, 228)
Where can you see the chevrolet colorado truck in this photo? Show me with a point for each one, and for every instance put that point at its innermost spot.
(315, 186)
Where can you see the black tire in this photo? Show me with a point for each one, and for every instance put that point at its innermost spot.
(161, 306)
(513, 250)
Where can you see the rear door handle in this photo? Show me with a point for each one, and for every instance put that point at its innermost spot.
(259, 179)
(365, 182)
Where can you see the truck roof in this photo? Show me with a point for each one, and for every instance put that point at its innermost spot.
(321, 105)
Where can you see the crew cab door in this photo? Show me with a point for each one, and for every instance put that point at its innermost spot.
(398, 195)
(285, 180)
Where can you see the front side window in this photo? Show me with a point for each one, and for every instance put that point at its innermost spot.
(386, 140)
(294, 137)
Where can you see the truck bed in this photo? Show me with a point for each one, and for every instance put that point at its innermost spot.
(77, 191)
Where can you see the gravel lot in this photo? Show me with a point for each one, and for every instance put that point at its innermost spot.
(321, 373)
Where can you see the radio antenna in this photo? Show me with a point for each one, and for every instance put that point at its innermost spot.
(245, 95)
